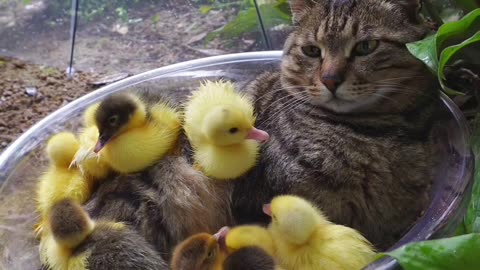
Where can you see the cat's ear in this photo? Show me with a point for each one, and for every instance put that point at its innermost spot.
(411, 8)
(299, 8)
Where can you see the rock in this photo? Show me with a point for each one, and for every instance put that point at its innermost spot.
(31, 91)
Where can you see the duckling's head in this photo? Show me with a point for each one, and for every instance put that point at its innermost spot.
(249, 236)
(197, 252)
(69, 223)
(249, 258)
(293, 218)
(116, 114)
(61, 148)
(227, 126)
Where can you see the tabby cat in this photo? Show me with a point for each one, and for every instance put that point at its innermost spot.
(350, 115)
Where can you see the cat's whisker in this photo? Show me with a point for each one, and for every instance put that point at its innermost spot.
(269, 93)
(386, 97)
(399, 78)
(286, 109)
(290, 95)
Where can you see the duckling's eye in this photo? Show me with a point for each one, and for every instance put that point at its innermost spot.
(274, 218)
(312, 51)
(233, 130)
(365, 47)
(113, 120)
(210, 254)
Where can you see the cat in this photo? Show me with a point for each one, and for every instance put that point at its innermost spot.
(350, 115)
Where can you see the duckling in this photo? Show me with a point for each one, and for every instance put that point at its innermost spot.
(89, 115)
(250, 258)
(76, 242)
(58, 181)
(133, 135)
(198, 252)
(305, 239)
(218, 122)
(168, 202)
(248, 236)
(248, 247)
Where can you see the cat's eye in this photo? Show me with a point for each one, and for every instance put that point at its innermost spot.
(233, 130)
(312, 51)
(365, 47)
(113, 120)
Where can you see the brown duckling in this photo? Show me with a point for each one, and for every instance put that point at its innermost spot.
(198, 252)
(77, 242)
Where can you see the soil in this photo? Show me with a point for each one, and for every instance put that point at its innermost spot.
(30, 92)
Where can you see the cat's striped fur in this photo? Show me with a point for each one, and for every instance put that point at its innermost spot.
(363, 152)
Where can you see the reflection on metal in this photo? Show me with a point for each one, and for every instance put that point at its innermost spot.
(73, 32)
(262, 26)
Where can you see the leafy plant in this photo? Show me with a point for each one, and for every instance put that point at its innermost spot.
(273, 12)
(440, 49)
(460, 252)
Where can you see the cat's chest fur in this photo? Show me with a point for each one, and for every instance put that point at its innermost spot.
(376, 183)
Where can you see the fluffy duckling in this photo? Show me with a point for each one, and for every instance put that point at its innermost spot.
(133, 135)
(248, 247)
(305, 239)
(76, 242)
(248, 236)
(218, 122)
(249, 258)
(198, 252)
(58, 181)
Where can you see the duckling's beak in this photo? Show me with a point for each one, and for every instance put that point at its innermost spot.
(221, 236)
(258, 135)
(102, 141)
(267, 209)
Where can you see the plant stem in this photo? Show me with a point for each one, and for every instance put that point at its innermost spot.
(432, 11)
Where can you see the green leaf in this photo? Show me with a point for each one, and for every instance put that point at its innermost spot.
(460, 252)
(449, 52)
(205, 9)
(247, 21)
(426, 50)
(455, 32)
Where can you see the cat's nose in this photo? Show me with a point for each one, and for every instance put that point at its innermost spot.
(332, 82)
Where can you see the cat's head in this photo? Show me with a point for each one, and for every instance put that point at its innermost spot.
(350, 55)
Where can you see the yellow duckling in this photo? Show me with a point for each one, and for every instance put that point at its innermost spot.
(198, 252)
(248, 236)
(76, 242)
(305, 239)
(133, 135)
(59, 182)
(218, 122)
(248, 247)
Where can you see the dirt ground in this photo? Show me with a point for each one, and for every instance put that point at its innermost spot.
(30, 92)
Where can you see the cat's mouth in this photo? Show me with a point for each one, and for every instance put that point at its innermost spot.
(337, 102)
